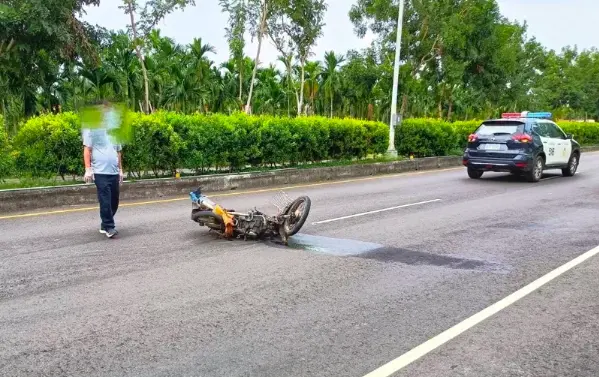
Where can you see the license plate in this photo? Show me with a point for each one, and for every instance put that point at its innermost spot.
(492, 147)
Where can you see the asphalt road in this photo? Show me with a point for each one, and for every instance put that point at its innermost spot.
(168, 299)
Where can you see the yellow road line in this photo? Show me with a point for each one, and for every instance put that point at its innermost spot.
(248, 192)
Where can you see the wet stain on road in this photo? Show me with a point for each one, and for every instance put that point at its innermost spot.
(520, 225)
(367, 250)
(419, 258)
(331, 246)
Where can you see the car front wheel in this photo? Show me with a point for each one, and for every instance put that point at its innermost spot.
(572, 165)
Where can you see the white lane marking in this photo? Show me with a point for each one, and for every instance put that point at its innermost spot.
(375, 211)
(430, 345)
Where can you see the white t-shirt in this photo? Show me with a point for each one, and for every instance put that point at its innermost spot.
(104, 158)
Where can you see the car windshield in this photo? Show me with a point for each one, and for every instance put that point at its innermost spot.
(499, 128)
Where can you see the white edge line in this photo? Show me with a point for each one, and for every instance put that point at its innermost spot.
(375, 211)
(409, 357)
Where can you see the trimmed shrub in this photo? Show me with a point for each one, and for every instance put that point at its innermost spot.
(6, 155)
(164, 142)
(50, 145)
(311, 139)
(463, 129)
(426, 137)
(584, 133)
(154, 145)
(167, 141)
(433, 137)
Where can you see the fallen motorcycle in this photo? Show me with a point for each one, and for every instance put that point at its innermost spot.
(254, 224)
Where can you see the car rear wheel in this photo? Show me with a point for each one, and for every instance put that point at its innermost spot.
(474, 174)
(538, 165)
(572, 165)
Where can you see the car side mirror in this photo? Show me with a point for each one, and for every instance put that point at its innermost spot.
(569, 136)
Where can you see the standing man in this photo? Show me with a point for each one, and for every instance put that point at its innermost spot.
(103, 165)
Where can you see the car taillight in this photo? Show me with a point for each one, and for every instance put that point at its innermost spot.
(472, 138)
(523, 138)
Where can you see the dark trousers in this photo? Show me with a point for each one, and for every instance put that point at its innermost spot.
(108, 195)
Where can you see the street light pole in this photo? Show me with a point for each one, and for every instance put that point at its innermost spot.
(394, 121)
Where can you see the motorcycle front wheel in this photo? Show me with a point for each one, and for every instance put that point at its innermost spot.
(209, 219)
(298, 211)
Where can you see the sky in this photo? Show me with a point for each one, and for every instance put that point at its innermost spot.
(554, 23)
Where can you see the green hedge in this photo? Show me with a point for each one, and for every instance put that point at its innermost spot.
(163, 142)
(433, 137)
(51, 145)
(584, 133)
(6, 156)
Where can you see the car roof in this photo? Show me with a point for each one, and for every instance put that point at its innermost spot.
(514, 120)
(526, 121)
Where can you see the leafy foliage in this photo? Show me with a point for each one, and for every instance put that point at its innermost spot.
(463, 60)
(36, 37)
(6, 157)
(155, 146)
(433, 137)
(50, 145)
(168, 141)
(460, 60)
(165, 142)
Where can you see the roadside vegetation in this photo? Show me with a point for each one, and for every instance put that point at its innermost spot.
(462, 61)
(47, 149)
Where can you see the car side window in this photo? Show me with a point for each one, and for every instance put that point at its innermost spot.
(540, 128)
(556, 132)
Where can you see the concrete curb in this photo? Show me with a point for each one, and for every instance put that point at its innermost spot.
(36, 199)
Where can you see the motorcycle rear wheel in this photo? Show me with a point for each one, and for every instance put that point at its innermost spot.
(292, 225)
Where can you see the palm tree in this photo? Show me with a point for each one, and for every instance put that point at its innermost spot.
(98, 80)
(288, 78)
(185, 92)
(269, 93)
(313, 71)
(198, 52)
(121, 57)
(331, 76)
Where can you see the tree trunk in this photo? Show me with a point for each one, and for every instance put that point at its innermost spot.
(332, 100)
(146, 107)
(440, 109)
(300, 103)
(241, 67)
(289, 82)
(260, 36)
(146, 85)
(404, 105)
(450, 111)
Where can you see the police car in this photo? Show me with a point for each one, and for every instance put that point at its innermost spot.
(521, 143)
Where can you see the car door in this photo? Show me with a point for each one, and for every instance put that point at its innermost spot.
(549, 143)
(563, 144)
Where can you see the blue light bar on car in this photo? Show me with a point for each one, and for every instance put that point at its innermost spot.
(541, 115)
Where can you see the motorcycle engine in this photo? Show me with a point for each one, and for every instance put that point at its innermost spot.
(253, 225)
